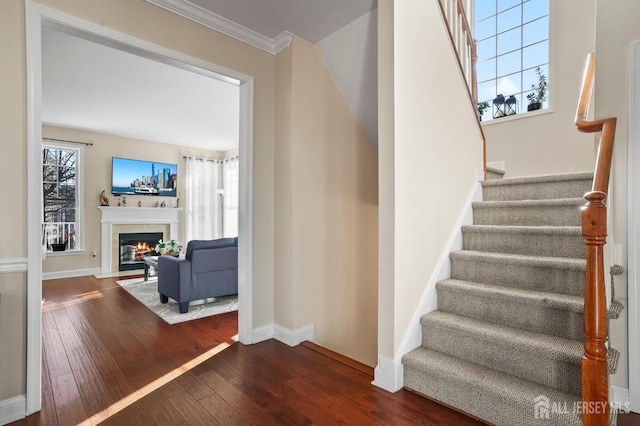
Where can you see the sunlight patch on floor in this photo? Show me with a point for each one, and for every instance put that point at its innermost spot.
(120, 405)
(50, 305)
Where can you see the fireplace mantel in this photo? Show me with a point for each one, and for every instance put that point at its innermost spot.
(132, 215)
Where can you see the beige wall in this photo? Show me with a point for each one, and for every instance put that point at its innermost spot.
(326, 210)
(435, 156)
(534, 144)
(13, 186)
(97, 177)
(616, 27)
(386, 178)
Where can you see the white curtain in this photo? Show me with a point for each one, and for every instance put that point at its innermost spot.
(204, 199)
(231, 188)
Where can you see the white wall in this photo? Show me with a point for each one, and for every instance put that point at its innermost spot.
(429, 155)
(616, 27)
(351, 55)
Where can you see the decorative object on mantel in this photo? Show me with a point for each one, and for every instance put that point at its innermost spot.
(104, 201)
(157, 204)
(139, 203)
(177, 203)
(124, 201)
(171, 247)
(163, 204)
(119, 203)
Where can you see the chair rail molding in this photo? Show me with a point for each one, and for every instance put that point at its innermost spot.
(197, 14)
(13, 265)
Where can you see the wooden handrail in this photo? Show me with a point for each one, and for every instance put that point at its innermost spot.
(472, 85)
(595, 374)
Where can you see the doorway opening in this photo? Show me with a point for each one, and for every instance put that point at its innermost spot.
(37, 17)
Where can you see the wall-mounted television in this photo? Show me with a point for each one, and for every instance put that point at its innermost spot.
(140, 177)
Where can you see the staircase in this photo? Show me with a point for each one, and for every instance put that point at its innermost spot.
(506, 342)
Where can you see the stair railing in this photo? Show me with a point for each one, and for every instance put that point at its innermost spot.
(455, 18)
(595, 375)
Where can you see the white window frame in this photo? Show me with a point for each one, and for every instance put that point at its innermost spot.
(79, 222)
(522, 106)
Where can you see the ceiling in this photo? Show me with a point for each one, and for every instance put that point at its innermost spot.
(90, 85)
(313, 20)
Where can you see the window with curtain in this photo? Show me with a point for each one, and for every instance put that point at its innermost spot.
(231, 188)
(203, 204)
(212, 198)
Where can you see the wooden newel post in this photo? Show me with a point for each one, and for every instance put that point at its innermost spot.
(595, 374)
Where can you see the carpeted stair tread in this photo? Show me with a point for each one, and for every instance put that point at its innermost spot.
(549, 346)
(546, 230)
(549, 212)
(497, 397)
(556, 314)
(494, 173)
(553, 274)
(529, 297)
(555, 241)
(507, 349)
(570, 185)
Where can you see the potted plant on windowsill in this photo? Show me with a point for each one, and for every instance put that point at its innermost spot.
(482, 107)
(539, 94)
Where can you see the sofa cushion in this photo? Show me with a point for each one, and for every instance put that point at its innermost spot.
(205, 244)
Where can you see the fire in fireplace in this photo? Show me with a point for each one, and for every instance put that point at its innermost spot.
(134, 247)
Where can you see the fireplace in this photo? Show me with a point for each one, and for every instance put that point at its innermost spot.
(134, 247)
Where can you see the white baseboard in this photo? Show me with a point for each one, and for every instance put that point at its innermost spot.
(70, 274)
(388, 375)
(13, 409)
(620, 395)
(261, 334)
(284, 335)
(294, 337)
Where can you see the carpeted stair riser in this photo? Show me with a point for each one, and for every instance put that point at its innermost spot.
(558, 275)
(551, 313)
(539, 188)
(498, 398)
(564, 212)
(553, 241)
(556, 362)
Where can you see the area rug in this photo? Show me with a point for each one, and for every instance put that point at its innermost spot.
(147, 293)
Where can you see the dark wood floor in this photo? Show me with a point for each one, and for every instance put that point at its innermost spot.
(109, 360)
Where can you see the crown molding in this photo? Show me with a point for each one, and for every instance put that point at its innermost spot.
(199, 15)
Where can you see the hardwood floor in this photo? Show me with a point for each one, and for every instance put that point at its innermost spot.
(109, 360)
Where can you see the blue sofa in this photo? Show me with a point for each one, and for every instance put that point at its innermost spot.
(209, 269)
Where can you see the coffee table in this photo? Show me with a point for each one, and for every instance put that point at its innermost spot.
(149, 261)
